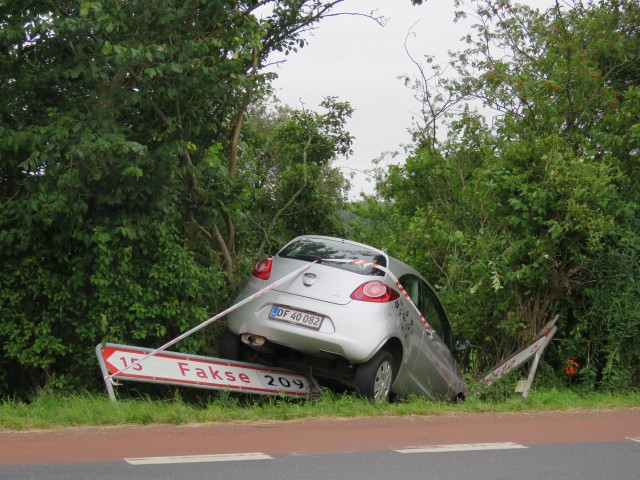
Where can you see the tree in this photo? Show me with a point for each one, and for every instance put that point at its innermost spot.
(536, 213)
(293, 186)
(119, 136)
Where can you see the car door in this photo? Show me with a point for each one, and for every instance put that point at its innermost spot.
(445, 378)
(411, 331)
(422, 370)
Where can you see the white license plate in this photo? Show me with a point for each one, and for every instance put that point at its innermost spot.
(296, 317)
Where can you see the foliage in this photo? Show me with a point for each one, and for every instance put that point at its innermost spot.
(119, 179)
(537, 213)
(293, 186)
(141, 170)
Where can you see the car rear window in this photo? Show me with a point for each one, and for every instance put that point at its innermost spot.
(317, 249)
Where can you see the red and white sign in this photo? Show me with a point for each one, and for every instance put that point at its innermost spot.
(203, 372)
(518, 358)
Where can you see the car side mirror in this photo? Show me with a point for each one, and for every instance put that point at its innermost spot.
(462, 345)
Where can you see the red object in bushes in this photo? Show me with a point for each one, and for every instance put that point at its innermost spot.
(571, 367)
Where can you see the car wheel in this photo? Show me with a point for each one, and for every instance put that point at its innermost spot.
(374, 378)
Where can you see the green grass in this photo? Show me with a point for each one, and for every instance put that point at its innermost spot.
(50, 411)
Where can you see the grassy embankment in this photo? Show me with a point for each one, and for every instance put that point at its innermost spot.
(54, 411)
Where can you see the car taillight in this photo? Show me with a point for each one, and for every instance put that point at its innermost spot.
(375, 291)
(262, 270)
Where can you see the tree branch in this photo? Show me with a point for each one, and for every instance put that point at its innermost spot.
(282, 210)
(217, 237)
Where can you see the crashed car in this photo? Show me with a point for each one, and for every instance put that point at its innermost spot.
(347, 322)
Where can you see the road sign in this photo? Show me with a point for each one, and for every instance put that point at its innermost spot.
(533, 350)
(124, 362)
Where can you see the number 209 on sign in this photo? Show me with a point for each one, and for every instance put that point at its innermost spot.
(275, 381)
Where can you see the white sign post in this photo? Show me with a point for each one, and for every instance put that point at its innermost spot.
(180, 369)
(535, 349)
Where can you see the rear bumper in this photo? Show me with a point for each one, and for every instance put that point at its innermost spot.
(355, 332)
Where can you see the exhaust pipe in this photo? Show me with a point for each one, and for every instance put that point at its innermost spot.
(253, 340)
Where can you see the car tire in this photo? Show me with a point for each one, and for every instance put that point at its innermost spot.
(374, 378)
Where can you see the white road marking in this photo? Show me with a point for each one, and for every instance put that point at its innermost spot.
(461, 447)
(634, 439)
(231, 457)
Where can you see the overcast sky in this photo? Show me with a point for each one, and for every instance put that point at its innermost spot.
(358, 61)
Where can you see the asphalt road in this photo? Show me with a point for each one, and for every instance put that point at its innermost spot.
(578, 445)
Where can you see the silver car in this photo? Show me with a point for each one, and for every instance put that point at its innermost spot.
(347, 322)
